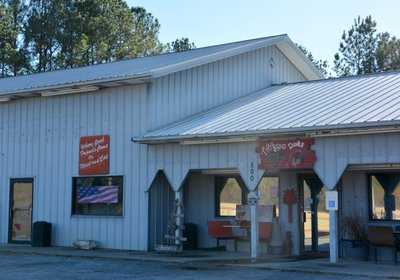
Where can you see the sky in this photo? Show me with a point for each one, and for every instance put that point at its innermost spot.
(316, 24)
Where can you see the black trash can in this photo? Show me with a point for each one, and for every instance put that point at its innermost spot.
(41, 236)
(190, 232)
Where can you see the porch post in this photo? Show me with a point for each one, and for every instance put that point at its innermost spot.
(178, 219)
(333, 237)
(332, 205)
(253, 201)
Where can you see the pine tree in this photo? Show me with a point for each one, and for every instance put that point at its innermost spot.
(41, 34)
(388, 52)
(13, 60)
(180, 45)
(357, 50)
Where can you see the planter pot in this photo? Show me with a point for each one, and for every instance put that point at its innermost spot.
(355, 250)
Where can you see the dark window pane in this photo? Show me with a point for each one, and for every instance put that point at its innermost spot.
(101, 196)
(385, 196)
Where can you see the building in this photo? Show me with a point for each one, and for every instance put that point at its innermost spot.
(122, 152)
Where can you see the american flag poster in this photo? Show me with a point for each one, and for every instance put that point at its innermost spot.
(98, 194)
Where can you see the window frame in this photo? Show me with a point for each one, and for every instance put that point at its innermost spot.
(217, 193)
(73, 197)
(369, 190)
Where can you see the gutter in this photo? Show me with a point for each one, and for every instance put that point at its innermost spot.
(141, 78)
(238, 137)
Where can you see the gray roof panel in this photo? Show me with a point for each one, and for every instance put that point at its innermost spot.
(151, 66)
(332, 103)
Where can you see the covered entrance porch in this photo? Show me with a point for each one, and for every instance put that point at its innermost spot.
(220, 198)
(194, 174)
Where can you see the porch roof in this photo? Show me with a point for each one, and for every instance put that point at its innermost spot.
(358, 102)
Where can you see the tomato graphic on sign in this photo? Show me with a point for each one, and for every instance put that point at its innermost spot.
(286, 154)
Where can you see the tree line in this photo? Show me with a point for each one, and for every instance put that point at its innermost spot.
(44, 35)
(362, 50)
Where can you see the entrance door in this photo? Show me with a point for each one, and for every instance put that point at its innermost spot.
(314, 222)
(21, 200)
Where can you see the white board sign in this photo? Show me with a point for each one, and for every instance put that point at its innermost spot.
(264, 213)
(331, 200)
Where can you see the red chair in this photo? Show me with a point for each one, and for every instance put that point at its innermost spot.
(265, 232)
(221, 230)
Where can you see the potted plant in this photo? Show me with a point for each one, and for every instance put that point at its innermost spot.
(354, 241)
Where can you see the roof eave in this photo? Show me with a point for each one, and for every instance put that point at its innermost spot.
(300, 60)
(327, 131)
(102, 83)
(188, 64)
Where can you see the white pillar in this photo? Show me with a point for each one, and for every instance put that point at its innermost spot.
(333, 237)
(178, 219)
(253, 201)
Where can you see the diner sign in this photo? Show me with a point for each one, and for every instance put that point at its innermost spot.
(286, 154)
(94, 155)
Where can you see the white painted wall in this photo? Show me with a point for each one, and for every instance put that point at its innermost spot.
(334, 154)
(39, 138)
(199, 206)
(185, 93)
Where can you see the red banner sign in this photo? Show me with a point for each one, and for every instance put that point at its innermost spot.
(94, 155)
(286, 154)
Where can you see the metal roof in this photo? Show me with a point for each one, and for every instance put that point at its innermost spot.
(151, 67)
(341, 103)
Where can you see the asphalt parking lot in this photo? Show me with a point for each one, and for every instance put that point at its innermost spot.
(23, 266)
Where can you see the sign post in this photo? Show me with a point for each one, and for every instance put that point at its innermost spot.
(331, 201)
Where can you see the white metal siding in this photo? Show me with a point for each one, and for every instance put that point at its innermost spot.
(334, 154)
(39, 138)
(185, 93)
(177, 160)
(199, 206)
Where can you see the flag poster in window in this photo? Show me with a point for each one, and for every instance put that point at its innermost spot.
(94, 155)
(98, 194)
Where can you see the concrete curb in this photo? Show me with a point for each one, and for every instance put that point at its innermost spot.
(321, 272)
(66, 255)
(142, 258)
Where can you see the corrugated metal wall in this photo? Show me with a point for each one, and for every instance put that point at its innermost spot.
(334, 154)
(199, 206)
(39, 138)
(185, 93)
(177, 160)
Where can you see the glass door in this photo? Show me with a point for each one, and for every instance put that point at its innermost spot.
(21, 200)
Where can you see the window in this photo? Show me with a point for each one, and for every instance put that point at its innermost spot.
(385, 196)
(100, 196)
(268, 191)
(229, 193)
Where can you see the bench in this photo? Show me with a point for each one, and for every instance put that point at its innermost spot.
(383, 236)
(221, 230)
(224, 230)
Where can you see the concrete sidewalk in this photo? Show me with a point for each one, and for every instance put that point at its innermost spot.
(221, 258)
(322, 266)
(185, 257)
